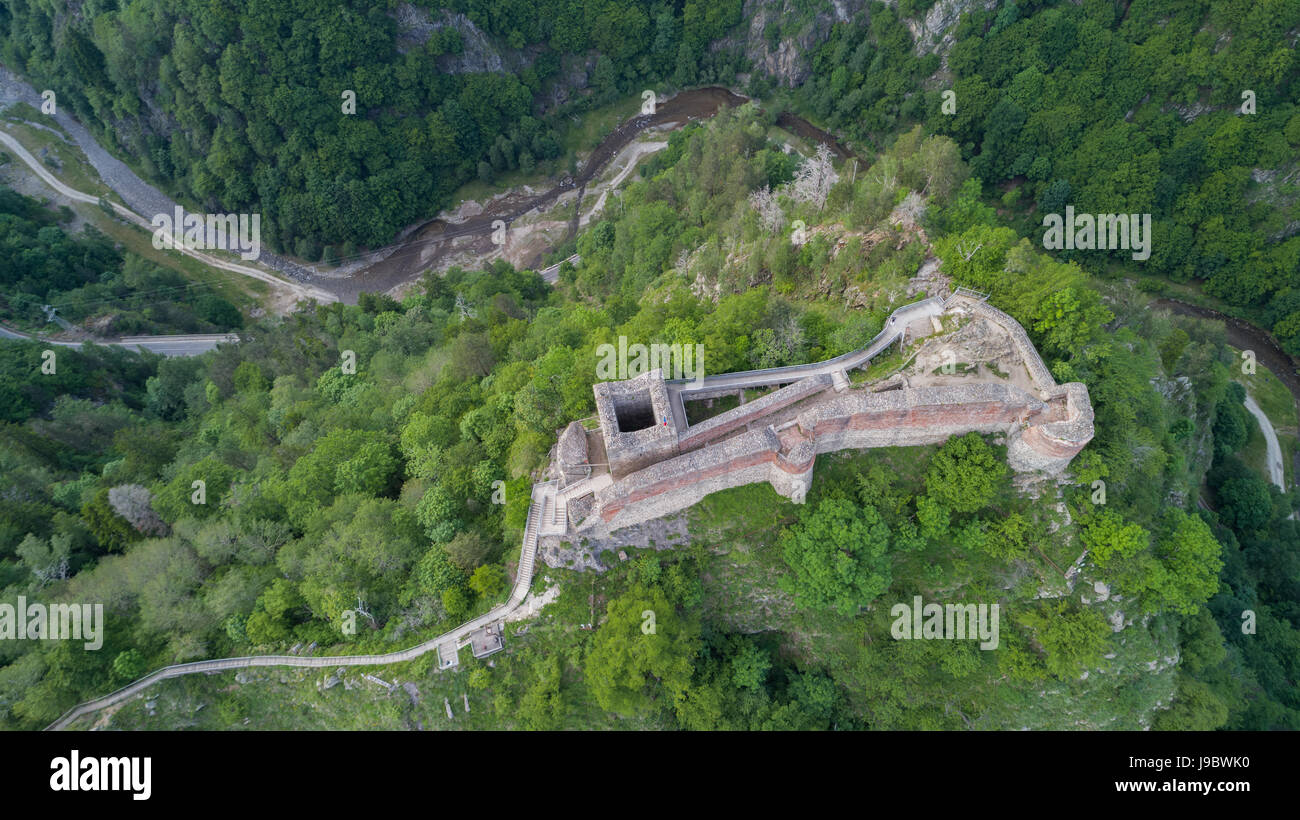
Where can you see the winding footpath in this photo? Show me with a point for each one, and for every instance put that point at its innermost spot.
(448, 641)
(546, 514)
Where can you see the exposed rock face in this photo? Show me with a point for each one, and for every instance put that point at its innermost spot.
(930, 279)
(478, 54)
(571, 454)
(977, 341)
(936, 32)
(788, 61)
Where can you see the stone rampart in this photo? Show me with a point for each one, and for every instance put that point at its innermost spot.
(736, 418)
(1038, 372)
(656, 476)
(909, 417)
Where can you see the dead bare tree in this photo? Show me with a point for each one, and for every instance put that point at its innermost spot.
(770, 215)
(133, 502)
(361, 610)
(965, 254)
(813, 181)
(910, 211)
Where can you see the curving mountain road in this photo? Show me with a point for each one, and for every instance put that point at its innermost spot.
(1271, 443)
(192, 344)
(301, 291)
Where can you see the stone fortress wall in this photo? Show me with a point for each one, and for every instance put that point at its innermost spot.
(662, 469)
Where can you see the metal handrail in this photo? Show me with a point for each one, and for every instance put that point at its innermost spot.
(843, 357)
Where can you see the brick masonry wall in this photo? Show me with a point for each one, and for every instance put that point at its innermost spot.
(738, 417)
(1043, 434)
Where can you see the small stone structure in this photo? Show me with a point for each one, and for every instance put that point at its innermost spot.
(636, 421)
(655, 468)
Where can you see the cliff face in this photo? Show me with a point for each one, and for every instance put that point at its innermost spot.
(785, 51)
(777, 36)
(935, 33)
(779, 39)
(479, 53)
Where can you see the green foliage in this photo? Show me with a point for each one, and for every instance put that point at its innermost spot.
(642, 651)
(1072, 107)
(128, 665)
(255, 123)
(372, 493)
(1107, 537)
(87, 279)
(488, 580)
(342, 461)
(1071, 638)
(837, 553)
(964, 474)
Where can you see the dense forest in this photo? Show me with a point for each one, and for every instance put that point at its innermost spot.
(328, 492)
(251, 499)
(238, 107)
(84, 276)
(1189, 111)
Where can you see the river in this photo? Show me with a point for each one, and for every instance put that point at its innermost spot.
(422, 247)
(1245, 336)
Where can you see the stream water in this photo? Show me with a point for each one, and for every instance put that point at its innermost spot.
(1245, 336)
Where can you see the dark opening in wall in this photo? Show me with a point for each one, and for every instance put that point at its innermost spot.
(634, 413)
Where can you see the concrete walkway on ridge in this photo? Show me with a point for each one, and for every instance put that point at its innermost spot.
(680, 389)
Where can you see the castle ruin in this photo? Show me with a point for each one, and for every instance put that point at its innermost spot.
(644, 460)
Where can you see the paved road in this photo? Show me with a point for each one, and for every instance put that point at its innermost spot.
(552, 274)
(178, 345)
(299, 290)
(181, 345)
(139, 195)
(1275, 469)
(1270, 441)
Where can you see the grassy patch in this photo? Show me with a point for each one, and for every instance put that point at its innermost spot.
(881, 366)
(70, 165)
(587, 131)
(698, 410)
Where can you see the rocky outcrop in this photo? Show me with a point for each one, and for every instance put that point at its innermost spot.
(936, 32)
(571, 454)
(478, 52)
(788, 59)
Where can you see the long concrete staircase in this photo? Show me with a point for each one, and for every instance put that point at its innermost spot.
(537, 510)
(547, 515)
(544, 503)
